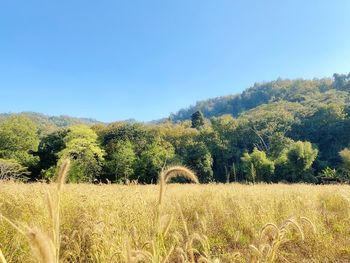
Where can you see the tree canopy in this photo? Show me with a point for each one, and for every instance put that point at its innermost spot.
(283, 130)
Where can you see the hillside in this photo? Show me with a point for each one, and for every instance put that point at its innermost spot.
(309, 93)
(47, 124)
(304, 92)
(283, 130)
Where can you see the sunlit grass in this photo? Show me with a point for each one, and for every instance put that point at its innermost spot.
(106, 223)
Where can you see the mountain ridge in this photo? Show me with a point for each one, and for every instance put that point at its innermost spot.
(293, 90)
(303, 91)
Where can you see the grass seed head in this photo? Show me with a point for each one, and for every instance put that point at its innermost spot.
(173, 172)
(63, 172)
(42, 246)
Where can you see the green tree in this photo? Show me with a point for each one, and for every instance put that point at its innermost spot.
(264, 168)
(49, 147)
(19, 140)
(11, 169)
(264, 122)
(278, 142)
(198, 158)
(224, 147)
(342, 81)
(295, 164)
(327, 128)
(152, 160)
(121, 163)
(345, 156)
(197, 120)
(86, 155)
(180, 135)
(138, 134)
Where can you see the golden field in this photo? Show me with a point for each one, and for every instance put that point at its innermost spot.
(194, 223)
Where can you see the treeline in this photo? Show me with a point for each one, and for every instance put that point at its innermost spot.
(302, 135)
(302, 91)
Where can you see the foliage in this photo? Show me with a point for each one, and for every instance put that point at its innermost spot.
(137, 133)
(259, 165)
(197, 120)
(342, 81)
(19, 140)
(120, 165)
(152, 160)
(224, 146)
(86, 155)
(18, 133)
(199, 159)
(295, 164)
(269, 120)
(299, 91)
(11, 169)
(48, 124)
(345, 156)
(49, 147)
(329, 172)
(326, 127)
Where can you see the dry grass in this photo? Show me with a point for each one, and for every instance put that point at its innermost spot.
(45, 248)
(197, 223)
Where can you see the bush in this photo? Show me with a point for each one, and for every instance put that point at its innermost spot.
(11, 169)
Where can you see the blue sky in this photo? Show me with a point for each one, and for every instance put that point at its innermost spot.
(114, 60)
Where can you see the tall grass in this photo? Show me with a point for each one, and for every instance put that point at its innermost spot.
(45, 248)
(174, 223)
(158, 250)
(2, 257)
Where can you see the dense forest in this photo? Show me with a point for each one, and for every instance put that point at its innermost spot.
(279, 131)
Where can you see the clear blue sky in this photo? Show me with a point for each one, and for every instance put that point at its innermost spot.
(114, 60)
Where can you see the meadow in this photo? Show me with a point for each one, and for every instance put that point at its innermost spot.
(193, 223)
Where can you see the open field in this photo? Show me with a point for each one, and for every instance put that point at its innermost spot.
(113, 223)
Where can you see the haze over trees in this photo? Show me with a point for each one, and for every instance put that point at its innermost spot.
(283, 130)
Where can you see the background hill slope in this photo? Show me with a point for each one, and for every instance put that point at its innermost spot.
(306, 92)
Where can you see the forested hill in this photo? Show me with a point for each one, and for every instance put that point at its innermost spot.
(284, 130)
(304, 92)
(47, 124)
